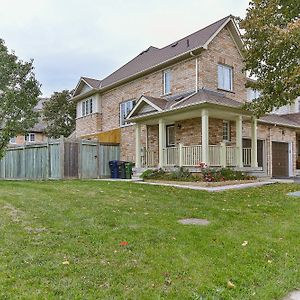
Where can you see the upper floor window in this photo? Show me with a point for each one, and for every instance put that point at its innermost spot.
(226, 131)
(225, 75)
(125, 108)
(87, 107)
(253, 94)
(30, 137)
(167, 82)
(13, 140)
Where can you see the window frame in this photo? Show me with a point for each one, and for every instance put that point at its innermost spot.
(222, 86)
(28, 137)
(128, 106)
(165, 73)
(226, 136)
(168, 144)
(87, 107)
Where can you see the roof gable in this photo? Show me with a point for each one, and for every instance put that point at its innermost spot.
(85, 85)
(147, 104)
(153, 57)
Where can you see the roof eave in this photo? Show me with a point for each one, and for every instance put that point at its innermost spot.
(156, 67)
(85, 95)
(203, 104)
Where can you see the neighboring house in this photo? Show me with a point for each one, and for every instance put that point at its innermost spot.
(37, 133)
(183, 104)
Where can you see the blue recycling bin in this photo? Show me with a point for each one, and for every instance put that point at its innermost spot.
(114, 169)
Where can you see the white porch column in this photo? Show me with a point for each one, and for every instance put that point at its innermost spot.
(254, 163)
(138, 158)
(239, 141)
(161, 141)
(204, 133)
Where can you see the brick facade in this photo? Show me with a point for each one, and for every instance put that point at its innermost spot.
(183, 79)
(89, 124)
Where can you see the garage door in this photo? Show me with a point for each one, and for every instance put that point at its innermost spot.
(280, 159)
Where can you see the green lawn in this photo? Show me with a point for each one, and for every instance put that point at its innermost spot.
(61, 240)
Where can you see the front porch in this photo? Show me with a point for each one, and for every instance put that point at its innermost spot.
(207, 146)
(191, 156)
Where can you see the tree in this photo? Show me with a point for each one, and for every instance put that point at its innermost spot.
(19, 91)
(272, 52)
(60, 113)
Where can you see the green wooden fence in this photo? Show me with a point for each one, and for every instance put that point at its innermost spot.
(58, 159)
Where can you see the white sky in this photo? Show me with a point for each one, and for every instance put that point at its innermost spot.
(68, 39)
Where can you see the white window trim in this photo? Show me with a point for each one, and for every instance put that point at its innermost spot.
(168, 144)
(123, 118)
(87, 107)
(28, 139)
(223, 66)
(228, 131)
(165, 72)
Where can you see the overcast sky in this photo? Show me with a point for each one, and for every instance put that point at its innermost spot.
(68, 39)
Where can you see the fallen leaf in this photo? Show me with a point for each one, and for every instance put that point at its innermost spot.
(123, 243)
(230, 285)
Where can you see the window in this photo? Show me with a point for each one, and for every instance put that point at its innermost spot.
(167, 82)
(170, 135)
(225, 77)
(30, 137)
(226, 131)
(253, 94)
(13, 140)
(87, 107)
(125, 109)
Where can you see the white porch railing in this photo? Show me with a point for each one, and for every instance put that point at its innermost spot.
(191, 155)
(148, 158)
(231, 156)
(247, 157)
(171, 156)
(214, 154)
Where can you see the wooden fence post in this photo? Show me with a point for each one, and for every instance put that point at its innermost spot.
(62, 157)
(24, 161)
(48, 163)
(80, 159)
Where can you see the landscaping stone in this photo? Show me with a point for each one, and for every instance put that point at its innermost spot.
(194, 221)
(294, 194)
(295, 295)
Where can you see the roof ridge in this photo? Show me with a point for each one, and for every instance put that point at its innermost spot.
(225, 18)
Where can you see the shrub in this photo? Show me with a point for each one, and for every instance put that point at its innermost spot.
(222, 174)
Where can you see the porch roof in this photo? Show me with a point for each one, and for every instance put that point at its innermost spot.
(183, 102)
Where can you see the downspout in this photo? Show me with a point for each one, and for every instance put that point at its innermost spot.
(196, 71)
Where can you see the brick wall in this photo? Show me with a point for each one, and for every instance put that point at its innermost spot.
(89, 124)
(223, 50)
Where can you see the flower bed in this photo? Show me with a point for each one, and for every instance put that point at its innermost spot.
(206, 174)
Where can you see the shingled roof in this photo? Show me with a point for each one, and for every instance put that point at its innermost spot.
(94, 83)
(154, 56)
(279, 120)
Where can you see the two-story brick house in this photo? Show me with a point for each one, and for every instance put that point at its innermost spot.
(183, 104)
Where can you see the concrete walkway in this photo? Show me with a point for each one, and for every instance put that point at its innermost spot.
(293, 296)
(211, 189)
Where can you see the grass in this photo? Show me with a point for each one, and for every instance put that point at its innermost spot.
(61, 240)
